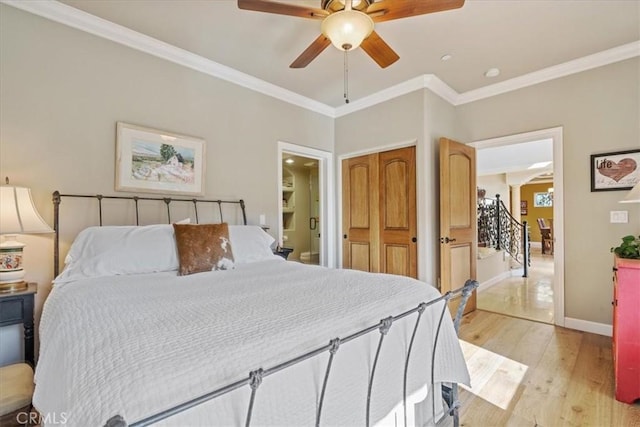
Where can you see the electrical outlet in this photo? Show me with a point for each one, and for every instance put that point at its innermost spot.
(618, 217)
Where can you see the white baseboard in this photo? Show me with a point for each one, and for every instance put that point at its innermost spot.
(488, 283)
(517, 271)
(588, 326)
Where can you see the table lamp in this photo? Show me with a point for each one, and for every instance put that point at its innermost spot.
(18, 215)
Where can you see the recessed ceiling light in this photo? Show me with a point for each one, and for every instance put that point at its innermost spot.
(492, 72)
(289, 161)
(446, 57)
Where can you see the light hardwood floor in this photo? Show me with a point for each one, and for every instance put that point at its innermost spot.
(528, 298)
(527, 373)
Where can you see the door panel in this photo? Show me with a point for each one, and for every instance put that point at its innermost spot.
(396, 203)
(360, 256)
(458, 222)
(398, 216)
(379, 212)
(360, 213)
(459, 191)
(359, 196)
(397, 259)
(460, 258)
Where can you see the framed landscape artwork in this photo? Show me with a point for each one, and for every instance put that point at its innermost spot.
(155, 161)
(618, 170)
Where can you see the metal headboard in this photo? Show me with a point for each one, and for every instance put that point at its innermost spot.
(57, 199)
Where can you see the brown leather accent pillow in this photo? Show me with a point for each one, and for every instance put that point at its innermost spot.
(203, 247)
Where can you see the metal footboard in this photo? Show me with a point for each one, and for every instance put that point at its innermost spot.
(450, 392)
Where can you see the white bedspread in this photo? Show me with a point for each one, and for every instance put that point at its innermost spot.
(137, 345)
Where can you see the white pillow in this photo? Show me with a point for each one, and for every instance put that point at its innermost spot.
(115, 250)
(250, 243)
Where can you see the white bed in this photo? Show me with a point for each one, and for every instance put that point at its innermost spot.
(135, 345)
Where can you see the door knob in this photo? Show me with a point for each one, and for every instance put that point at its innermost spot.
(414, 239)
(345, 236)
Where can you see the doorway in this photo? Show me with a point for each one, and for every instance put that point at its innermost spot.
(301, 219)
(543, 290)
(306, 218)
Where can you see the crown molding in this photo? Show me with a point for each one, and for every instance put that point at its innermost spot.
(83, 21)
(440, 88)
(92, 24)
(606, 57)
(400, 89)
(425, 81)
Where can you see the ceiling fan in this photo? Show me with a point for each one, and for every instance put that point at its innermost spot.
(348, 24)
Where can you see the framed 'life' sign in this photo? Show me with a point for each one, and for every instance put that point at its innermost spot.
(618, 170)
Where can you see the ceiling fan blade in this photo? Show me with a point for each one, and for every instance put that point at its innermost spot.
(386, 10)
(310, 53)
(379, 50)
(282, 9)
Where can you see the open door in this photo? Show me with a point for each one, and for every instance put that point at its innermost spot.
(458, 223)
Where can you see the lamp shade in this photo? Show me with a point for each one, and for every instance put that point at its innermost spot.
(347, 29)
(18, 215)
(633, 196)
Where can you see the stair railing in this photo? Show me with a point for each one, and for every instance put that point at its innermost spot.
(497, 228)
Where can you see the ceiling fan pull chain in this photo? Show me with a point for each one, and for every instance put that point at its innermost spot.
(346, 76)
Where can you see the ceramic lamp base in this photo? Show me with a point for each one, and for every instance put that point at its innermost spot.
(11, 271)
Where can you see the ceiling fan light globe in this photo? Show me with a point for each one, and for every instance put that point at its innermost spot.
(347, 28)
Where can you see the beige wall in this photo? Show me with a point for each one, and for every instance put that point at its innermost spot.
(533, 213)
(439, 122)
(403, 120)
(599, 112)
(63, 90)
(379, 128)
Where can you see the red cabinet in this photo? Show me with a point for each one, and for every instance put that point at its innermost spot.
(626, 328)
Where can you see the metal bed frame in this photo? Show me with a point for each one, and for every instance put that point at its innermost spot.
(57, 200)
(255, 377)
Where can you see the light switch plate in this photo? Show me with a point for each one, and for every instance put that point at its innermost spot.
(618, 217)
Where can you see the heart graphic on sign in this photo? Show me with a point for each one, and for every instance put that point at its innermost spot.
(617, 171)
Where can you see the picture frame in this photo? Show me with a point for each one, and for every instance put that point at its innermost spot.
(523, 207)
(543, 200)
(156, 161)
(616, 170)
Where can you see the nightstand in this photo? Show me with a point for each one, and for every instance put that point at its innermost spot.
(17, 307)
(283, 252)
